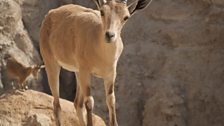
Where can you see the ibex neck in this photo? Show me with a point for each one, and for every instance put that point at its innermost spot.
(111, 51)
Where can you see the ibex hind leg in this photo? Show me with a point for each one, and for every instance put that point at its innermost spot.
(15, 85)
(25, 85)
(79, 103)
(51, 66)
(21, 88)
(53, 71)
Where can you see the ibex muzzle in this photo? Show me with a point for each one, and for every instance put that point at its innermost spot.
(110, 36)
(76, 38)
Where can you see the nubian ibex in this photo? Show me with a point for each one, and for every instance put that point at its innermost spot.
(87, 42)
(19, 73)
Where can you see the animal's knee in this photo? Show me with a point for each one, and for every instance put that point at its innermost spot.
(111, 99)
(78, 103)
(89, 102)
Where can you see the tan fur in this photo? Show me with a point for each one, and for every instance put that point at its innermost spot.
(19, 72)
(74, 37)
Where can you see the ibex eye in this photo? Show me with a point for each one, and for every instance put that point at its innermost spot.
(126, 18)
(101, 13)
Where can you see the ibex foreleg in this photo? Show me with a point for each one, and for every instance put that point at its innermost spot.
(84, 98)
(109, 82)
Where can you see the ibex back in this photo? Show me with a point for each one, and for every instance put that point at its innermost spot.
(87, 42)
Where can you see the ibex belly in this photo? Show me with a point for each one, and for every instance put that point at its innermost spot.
(68, 67)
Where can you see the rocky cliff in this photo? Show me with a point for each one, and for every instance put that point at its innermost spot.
(171, 72)
(15, 41)
(172, 67)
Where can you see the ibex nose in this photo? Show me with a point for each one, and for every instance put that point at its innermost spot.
(109, 35)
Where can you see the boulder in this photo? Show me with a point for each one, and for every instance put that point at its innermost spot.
(35, 108)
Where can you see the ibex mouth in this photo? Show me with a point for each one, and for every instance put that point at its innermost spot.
(110, 36)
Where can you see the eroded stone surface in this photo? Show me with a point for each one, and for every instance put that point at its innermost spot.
(32, 108)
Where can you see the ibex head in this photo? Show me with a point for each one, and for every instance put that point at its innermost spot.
(36, 69)
(114, 14)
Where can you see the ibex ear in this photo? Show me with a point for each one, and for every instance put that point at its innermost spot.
(99, 3)
(138, 5)
(40, 66)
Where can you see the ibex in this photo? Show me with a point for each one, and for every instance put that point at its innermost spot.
(87, 42)
(18, 72)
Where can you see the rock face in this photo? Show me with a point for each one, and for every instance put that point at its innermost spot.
(172, 67)
(171, 72)
(15, 40)
(32, 108)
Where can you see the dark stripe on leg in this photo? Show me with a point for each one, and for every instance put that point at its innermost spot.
(81, 100)
(111, 89)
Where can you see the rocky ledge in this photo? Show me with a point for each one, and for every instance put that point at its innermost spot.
(32, 108)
